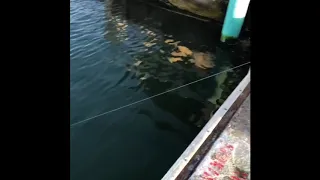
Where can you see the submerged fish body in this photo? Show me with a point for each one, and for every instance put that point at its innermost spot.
(220, 79)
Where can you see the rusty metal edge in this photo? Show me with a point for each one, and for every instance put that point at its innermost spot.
(207, 144)
(191, 157)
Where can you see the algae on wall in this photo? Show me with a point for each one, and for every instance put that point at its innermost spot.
(214, 9)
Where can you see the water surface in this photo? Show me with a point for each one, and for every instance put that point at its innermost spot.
(141, 141)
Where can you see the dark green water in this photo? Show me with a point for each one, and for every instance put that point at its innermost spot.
(141, 141)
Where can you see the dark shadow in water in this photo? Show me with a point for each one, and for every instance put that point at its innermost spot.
(124, 144)
(190, 103)
(169, 23)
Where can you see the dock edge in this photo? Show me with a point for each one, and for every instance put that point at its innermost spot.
(206, 131)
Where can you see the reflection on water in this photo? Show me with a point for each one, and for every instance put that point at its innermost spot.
(119, 54)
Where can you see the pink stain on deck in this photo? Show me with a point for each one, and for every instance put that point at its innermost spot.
(221, 157)
(217, 164)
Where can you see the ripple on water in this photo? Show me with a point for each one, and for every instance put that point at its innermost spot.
(104, 51)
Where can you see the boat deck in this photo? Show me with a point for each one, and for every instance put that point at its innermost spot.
(221, 150)
(229, 156)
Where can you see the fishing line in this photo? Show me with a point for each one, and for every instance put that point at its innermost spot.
(88, 119)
